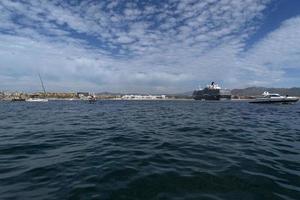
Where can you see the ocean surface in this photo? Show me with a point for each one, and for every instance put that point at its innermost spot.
(149, 150)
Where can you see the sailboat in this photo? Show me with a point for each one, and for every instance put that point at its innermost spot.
(34, 99)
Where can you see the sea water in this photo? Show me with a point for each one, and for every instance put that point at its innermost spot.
(149, 150)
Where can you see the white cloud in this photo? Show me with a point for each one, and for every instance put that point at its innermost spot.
(167, 47)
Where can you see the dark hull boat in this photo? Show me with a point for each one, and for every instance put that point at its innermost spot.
(18, 99)
(268, 98)
(282, 100)
(212, 92)
(92, 99)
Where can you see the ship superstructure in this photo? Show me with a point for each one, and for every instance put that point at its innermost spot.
(212, 92)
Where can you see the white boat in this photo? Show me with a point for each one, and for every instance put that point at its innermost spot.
(274, 98)
(92, 99)
(36, 100)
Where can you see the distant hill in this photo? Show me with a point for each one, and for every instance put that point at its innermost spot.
(189, 93)
(255, 91)
(108, 93)
(250, 91)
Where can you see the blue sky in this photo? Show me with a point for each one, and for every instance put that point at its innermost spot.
(148, 46)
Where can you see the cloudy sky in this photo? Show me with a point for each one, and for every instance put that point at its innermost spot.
(150, 46)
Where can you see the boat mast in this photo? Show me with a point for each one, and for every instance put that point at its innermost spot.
(42, 83)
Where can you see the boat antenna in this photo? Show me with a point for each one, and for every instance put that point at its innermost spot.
(42, 83)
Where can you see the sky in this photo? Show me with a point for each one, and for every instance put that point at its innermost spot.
(148, 46)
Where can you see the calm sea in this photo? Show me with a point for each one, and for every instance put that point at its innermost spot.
(149, 150)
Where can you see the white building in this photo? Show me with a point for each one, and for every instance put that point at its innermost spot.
(143, 97)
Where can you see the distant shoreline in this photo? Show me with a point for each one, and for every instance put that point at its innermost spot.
(245, 94)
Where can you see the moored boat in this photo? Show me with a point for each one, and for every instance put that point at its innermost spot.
(18, 99)
(36, 100)
(274, 98)
(212, 92)
(92, 99)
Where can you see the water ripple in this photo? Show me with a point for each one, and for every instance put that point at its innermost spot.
(149, 150)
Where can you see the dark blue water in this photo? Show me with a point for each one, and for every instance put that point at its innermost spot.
(149, 150)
